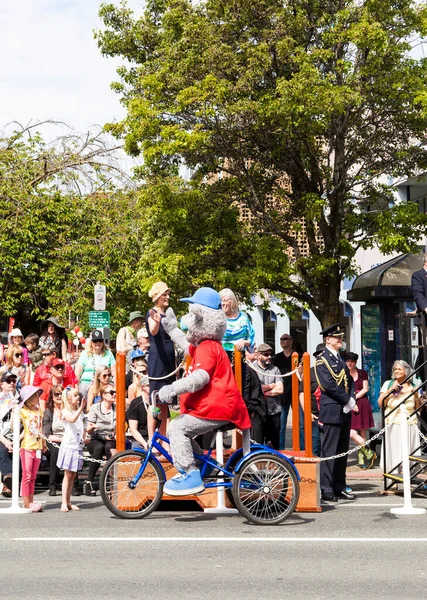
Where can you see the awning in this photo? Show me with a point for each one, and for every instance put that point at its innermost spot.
(392, 279)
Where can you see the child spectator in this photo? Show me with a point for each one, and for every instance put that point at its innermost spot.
(32, 444)
(53, 429)
(70, 456)
(16, 337)
(34, 350)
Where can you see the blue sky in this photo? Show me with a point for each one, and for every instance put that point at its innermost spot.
(51, 67)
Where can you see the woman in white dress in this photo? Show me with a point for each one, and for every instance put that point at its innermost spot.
(393, 392)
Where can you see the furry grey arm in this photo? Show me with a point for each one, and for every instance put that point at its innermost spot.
(170, 325)
(196, 381)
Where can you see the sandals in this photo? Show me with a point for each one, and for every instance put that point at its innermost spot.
(68, 508)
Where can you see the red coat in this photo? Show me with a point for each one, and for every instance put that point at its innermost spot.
(219, 400)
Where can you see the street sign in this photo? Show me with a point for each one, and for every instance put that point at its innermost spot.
(99, 300)
(99, 319)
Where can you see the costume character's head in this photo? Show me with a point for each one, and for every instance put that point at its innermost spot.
(205, 319)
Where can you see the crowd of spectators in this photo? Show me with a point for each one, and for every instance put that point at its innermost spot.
(78, 400)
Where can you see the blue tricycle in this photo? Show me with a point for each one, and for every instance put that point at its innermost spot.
(263, 485)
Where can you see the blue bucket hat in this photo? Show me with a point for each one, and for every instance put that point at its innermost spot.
(206, 297)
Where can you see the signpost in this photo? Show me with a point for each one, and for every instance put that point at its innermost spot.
(99, 297)
(98, 319)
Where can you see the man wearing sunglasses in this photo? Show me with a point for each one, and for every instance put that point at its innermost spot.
(44, 371)
(7, 395)
(283, 360)
(272, 387)
(57, 377)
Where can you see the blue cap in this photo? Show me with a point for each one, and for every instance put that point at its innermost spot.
(137, 353)
(206, 297)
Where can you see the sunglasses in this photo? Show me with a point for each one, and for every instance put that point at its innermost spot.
(10, 381)
(265, 353)
(106, 375)
(285, 338)
(59, 367)
(46, 354)
(18, 355)
(56, 393)
(111, 392)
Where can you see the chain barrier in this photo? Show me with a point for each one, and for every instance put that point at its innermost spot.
(308, 459)
(180, 366)
(252, 366)
(323, 459)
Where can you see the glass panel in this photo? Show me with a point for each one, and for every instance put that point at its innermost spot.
(371, 350)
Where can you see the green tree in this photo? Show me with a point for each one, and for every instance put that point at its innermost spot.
(326, 95)
(64, 227)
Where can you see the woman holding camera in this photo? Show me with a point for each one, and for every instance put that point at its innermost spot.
(393, 392)
(102, 429)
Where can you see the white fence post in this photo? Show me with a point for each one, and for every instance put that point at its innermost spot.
(220, 507)
(407, 508)
(15, 509)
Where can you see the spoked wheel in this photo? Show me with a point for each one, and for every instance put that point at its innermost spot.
(117, 492)
(266, 490)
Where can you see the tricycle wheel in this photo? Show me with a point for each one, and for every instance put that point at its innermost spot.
(266, 489)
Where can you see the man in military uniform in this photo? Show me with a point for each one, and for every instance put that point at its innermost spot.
(336, 403)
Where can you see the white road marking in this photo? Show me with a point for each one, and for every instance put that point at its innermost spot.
(217, 539)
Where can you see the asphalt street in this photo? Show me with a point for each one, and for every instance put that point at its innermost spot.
(350, 550)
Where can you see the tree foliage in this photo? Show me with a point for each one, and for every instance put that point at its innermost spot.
(62, 224)
(326, 95)
(66, 225)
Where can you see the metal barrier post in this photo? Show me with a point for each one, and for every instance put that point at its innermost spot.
(308, 424)
(295, 404)
(407, 508)
(238, 376)
(120, 401)
(220, 507)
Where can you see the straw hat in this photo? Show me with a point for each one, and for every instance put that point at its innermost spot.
(157, 290)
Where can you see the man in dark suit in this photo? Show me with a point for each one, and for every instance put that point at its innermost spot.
(419, 287)
(336, 403)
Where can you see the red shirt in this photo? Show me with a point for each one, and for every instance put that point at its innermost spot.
(220, 399)
(47, 385)
(43, 372)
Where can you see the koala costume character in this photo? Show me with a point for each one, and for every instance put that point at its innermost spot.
(209, 394)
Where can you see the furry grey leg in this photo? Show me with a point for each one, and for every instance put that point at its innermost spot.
(246, 441)
(182, 431)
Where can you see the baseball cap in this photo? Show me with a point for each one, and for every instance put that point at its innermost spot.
(57, 361)
(264, 348)
(7, 375)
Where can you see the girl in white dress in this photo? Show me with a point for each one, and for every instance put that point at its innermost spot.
(70, 456)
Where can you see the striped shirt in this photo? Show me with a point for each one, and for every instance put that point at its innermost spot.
(239, 328)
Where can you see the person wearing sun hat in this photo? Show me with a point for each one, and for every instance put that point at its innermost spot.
(161, 360)
(126, 337)
(54, 333)
(15, 337)
(32, 444)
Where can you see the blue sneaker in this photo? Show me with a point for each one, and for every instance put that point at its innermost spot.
(184, 484)
(348, 489)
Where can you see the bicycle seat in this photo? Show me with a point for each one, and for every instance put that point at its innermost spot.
(226, 427)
